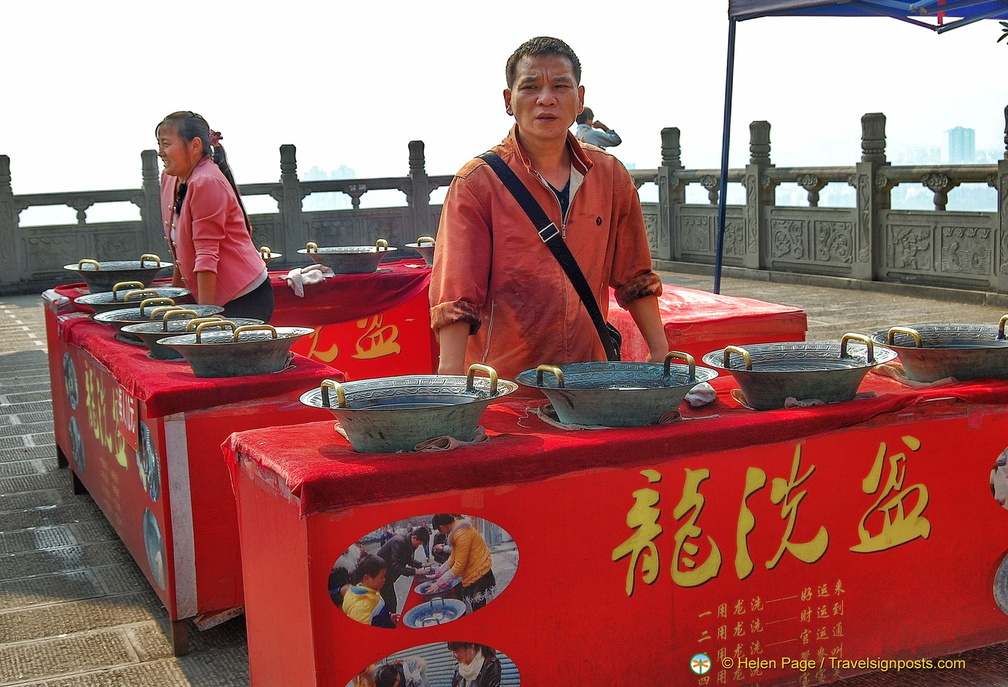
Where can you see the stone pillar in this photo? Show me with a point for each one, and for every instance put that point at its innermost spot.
(671, 196)
(294, 234)
(759, 200)
(872, 198)
(418, 195)
(153, 240)
(9, 269)
(1002, 190)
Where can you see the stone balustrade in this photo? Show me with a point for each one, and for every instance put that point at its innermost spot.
(868, 241)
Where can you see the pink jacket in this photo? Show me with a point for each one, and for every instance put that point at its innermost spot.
(210, 232)
(492, 270)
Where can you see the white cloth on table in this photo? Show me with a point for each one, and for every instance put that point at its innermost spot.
(299, 277)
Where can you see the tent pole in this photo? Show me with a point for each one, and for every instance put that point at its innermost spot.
(725, 137)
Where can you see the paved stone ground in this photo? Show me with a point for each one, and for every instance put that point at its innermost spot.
(76, 612)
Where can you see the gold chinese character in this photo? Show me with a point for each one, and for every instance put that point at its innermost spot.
(898, 524)
(643, 518)
(780, 490)
(378, 340)
(692, 502)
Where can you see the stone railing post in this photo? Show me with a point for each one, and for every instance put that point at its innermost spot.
(1002, 190)
(759, 198)
(150, 208)
(292, 237)
(9, 269)
(872, 197)
(418, 195)
(671, 196)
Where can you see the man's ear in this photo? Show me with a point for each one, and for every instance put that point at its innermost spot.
(507, 100)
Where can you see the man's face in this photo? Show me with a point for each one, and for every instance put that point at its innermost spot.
(545, 98)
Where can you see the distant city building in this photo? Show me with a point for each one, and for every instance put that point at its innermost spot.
(327, 201)
(961, 145)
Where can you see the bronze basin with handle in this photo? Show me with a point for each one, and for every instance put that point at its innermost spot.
(768, 374)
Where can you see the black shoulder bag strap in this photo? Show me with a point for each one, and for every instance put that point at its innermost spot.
(550, 235)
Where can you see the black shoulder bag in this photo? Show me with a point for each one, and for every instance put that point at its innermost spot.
(550, 235)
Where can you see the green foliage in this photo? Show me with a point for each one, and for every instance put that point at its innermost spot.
(1004, 31)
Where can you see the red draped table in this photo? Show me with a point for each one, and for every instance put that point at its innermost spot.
(143, 438)
(697, 322)
(728, 547)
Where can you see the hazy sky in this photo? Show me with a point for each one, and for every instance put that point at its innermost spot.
(351, 83)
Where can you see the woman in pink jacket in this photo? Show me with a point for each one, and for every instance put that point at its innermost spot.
(205, 221)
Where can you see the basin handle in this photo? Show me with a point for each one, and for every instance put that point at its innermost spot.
(177, 312)
(728, 350)
(862, 339)
(88, 261)
(1001, 327)
(223, 324)
(151, 302)
(912, 333)
(195, 322)
(160, 312)
(254, 328)
(335, 386)
(163, 311)
(150, 256)
(119, 286)
(553, 370)
(486, 369)
(425, 239)
(685, 357)
(311, 247)
(381, 244)
(139, 294)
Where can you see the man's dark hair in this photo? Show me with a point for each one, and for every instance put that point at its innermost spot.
(586, 114)
(541, 45)
(386, 675)
(421, 533)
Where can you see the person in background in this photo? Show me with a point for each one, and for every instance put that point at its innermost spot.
(591, 130)
(406, 672)
(362, 601)
(469, 560)
(398, 552)
(205, 221)
(497, 294)
(477, 665)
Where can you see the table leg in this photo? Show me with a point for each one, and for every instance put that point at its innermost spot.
(180, 637)
(77, 486)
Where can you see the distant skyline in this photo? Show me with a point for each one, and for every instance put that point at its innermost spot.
(352, 84)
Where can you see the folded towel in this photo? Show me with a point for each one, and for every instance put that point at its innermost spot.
(299, 277)
(700, 395)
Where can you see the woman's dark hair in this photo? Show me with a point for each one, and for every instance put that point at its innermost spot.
(442, 519)
(541, 45)
(385, 676)
(483, 648)
(189, 125)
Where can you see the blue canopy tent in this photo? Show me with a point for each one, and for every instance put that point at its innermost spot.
(936, 15)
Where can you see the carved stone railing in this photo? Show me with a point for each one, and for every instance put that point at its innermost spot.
(869, 241)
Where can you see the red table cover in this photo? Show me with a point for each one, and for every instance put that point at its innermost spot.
(343, 298)
(348, 297)
(168, 387)
(319, 467)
